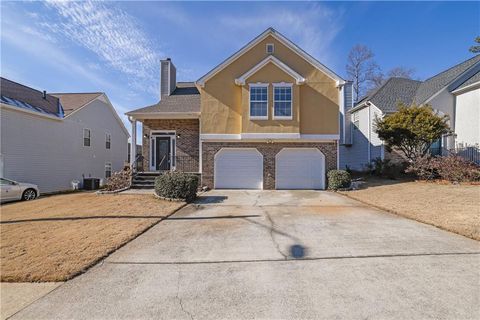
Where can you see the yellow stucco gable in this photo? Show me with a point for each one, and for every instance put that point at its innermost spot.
(225, 105)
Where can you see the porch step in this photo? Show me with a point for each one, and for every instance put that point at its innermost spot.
(142, 186)
(144, 180)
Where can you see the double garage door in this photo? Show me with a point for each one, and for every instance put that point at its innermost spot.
(295, 168)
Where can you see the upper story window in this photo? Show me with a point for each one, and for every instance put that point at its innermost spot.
(108, 140)
(108, 169)
(259, 101)
(86, 137)
(270, 48)
(282, 97)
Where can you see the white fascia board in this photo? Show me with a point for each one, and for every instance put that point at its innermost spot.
(103, 98)
(472, 86)
(360, 106)
(219, 136)
(33, 113)
(270, 59)
(270, 136)
(270, 31)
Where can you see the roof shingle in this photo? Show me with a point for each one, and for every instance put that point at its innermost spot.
(434, 84)
(185, 98)
(393, 92)
(13, 90)
(474, 79)
(74, 101)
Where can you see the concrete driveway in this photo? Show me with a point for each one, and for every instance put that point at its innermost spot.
(278, 254)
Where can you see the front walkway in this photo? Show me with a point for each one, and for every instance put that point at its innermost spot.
(277, 254)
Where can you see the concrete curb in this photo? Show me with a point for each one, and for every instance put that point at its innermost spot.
(112, 192)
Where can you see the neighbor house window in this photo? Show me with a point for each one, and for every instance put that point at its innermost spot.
(108, 139)
(108, 170)
(259, 101)
(86, 137)
(282, 101)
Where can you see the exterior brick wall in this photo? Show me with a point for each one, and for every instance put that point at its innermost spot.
(269, 151)
(187, 143)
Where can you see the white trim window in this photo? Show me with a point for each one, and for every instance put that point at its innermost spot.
(282, 101)
(86, 138)
(259, 101)
(108, 140)
(108, 169)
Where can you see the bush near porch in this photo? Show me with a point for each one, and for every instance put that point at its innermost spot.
(177, 185)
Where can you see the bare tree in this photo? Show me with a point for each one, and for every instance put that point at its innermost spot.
(380, 78)
(361, 69)
(475, 48)
(401, 72)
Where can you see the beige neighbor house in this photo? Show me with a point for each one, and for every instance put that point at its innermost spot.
(268, 117)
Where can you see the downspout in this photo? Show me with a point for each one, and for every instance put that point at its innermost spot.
(369, 134)
(200, 161)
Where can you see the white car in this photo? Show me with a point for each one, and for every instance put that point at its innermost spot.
(12, 190)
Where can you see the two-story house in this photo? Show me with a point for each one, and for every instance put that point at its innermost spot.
(53, 139)
(268, 117)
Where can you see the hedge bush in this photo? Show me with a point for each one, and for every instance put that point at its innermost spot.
(451, 168)
(177, 185)
(338, 179)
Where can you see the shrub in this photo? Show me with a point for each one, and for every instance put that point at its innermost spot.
(423, 168)
(119, 180)
(177, 185)
(451, 168)
(456, 169)
(338, 179)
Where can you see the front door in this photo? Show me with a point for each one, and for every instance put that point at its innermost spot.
(162, 153)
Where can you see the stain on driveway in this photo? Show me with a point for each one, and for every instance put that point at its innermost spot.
(278, 254)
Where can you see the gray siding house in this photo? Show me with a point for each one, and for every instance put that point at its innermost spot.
(454, 92)
(52, 139)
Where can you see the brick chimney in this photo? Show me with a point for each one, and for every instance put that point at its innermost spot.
(168, 77)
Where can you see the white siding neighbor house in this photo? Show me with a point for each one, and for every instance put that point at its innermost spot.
(52, 139)
(454, 92)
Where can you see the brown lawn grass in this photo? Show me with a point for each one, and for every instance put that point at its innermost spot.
(451, 207)
(57, 237)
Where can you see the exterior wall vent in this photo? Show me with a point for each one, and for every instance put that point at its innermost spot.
(270, 48)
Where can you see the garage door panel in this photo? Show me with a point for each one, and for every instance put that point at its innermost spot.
(300, 168)
(238, 169)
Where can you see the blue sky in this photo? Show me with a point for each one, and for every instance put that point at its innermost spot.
(115, 47)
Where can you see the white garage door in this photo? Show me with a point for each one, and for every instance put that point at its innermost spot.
(300, 168)
(238, 169)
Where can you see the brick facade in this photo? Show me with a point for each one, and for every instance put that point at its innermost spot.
(187, 147)
(269, 151)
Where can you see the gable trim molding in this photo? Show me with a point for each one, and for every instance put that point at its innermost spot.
(275, 61)
(289, 44)
(103, 98)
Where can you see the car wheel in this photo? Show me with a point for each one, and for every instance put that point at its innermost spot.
(29, 194)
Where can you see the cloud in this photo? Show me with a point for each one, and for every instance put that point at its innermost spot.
(48, 52)
(110, 33)
(313, 27)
